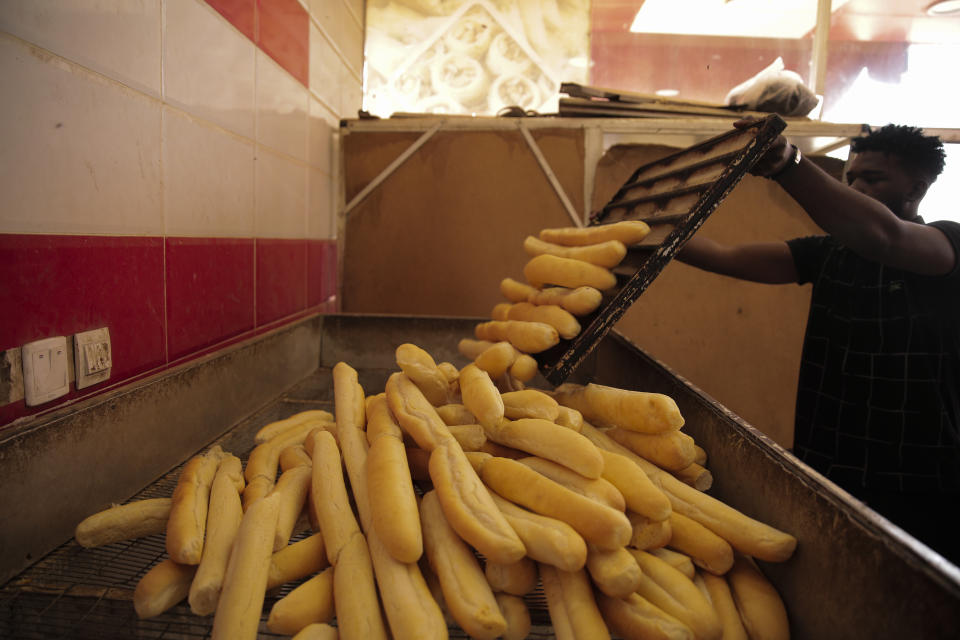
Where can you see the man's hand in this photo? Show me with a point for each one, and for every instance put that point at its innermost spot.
(776, 157)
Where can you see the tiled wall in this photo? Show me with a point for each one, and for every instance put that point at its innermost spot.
(168, 171)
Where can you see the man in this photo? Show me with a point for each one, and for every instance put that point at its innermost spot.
(878, 399)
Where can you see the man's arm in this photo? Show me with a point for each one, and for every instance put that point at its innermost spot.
(858, 221)
(767, 262)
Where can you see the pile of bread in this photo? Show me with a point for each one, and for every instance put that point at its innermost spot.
(458, 498)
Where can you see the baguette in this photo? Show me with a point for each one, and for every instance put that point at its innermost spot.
(245, 584)
(414, 413)
(188, 513)
(309, 603)
(612, 407)
(420, 367)
(594, 488)
(761, 608)
(580, 301)
(744, 534)
(124, 522)
(469, 508)
(524, 368)
(566, 272)
(317, 631)
(707, 550)
(569, 418)
(648, 534)
(722, 600)
(676, 594)
(297, 560)
(550, 441)
(355, 594)
(639, 492)
(517, 615)
(393, 503)
(603, 254)
(162, 587)
(679, 561)
(701, 455)
(293, 456)
(498, 358)
(627, 231)
(635, 618)
(258, 487)
(470, 436)
(528, 337)
(596, 523)
(517, 578)
(292, 487)
(223, 520)
(557, 317)
(265, 458)
(500, 311)
(455, 414)
(480, 396)
(273, 429)
(530, 403)
(470, 348)
(670, 450)
(614, 571)
(328, 493)
(572, 606)
(407, 602)
(548, 540)
(465, 588)
(380, 422)
(516, 291)
(696, 476)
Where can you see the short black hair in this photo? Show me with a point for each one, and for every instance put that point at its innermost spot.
(920, 152)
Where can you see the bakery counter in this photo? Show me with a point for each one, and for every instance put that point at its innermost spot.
(853, 574)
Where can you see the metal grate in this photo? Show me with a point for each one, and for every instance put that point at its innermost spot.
(674, 195)
(74, 593)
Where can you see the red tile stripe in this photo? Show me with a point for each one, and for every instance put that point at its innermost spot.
(164, 300)
(280, 28)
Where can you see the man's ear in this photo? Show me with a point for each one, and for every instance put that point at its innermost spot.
(918, 189)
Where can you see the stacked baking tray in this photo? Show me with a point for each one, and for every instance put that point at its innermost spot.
(854, 575)
(674, 196)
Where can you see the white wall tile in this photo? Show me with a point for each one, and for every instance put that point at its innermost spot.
(208, 178)
(357, 7)
(81, 152)
(343, 29)
(281, 200)
(118, 38)
(322, 126)
(324, 69)
(281, 109)
(351, 94)
(320, 206)
(208, 66)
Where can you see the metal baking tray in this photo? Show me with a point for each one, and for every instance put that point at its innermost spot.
(674, 196)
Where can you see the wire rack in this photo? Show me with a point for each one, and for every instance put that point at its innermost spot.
(74, 593)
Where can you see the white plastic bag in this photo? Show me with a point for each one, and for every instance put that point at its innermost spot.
(774, 90)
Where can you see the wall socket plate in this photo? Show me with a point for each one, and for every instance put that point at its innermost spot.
(45, 370)
(92, 357)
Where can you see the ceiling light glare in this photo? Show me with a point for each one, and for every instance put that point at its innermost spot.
(944, 8)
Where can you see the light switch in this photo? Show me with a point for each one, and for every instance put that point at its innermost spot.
(92, 357)
(45, 370)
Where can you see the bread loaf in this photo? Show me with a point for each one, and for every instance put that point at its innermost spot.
(671, 450)
(223, 520)
(455, 414)
(761, 608)
(480, 396)
(565, 272)
(420, 367)
(273, 429)
(298, 560)
(393, 504)
(528, 337)
(465, 588)
(550, 441)
(580, 301)
(722, 600)
(635, 618)
(648, 534)
(498, 358)
(517, 578)
(318, 631)
(557, 317)
(414, 413)
(707, 550)
(293, 487)
(639, 492)
(530, 403)
(594, 488)
(309, 603)
(676, 594)
(603, 254)
(627, 231)
(679, 561)
(293, 456)
(696, 476)
(124, 522)
(524, 368)
(516, 291)
(188, 513)
(245, 584)
(162, 587)
(614, 571)
(517, 615)
(611, 407)
(573, 608)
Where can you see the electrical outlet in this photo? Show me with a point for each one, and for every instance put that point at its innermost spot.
(92, 357)
(45, 370)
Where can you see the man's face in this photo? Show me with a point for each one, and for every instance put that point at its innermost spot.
(882, 177)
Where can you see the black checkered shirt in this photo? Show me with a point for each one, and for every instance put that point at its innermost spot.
(878, 404)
